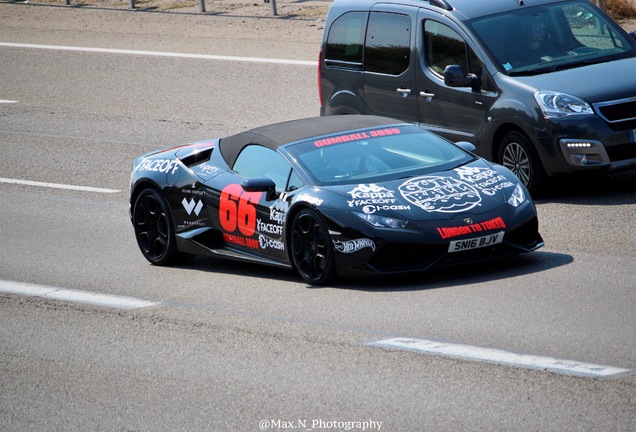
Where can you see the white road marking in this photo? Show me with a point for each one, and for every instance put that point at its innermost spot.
(500, 357)
(74, 296)
(58, 186)
(162, 54)
(7, 101)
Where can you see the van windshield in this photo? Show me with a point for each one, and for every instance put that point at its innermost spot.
(551, 37)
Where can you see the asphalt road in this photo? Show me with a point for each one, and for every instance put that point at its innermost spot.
(235, 347)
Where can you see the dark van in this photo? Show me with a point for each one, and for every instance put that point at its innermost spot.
(543, 87)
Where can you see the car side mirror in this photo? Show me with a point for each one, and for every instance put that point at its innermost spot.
(454, 76)
(260, 184)
(633, 34)
(465, 145)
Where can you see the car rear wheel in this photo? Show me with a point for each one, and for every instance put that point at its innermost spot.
(517, 154)
(153, 228)
(311, 248)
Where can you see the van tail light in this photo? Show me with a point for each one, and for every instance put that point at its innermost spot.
(320, 78)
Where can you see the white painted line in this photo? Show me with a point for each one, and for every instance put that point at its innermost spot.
(74, 296)
(162, 54)
(7, 101)
(58, 186)
(500, 357)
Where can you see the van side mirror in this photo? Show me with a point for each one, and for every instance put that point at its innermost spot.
(454, 76)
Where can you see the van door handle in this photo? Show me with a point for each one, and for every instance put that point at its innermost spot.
(404, 91)
(427, 95)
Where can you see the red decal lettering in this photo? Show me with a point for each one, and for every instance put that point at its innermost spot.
(489, 225)
(237, 210)
(241, 241)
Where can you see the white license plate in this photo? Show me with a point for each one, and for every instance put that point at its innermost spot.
(474, 243)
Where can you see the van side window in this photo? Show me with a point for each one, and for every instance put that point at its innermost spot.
(444, 46)
(388, 43)
(345, 39)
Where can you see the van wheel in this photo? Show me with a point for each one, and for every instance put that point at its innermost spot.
(517, 154)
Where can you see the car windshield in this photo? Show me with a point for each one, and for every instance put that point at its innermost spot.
(551, 37)
(374, 155)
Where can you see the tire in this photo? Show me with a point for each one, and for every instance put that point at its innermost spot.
(311, 248)
(518, 155)
(154, 230)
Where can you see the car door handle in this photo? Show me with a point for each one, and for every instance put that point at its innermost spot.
(427, 95)
(404, 91)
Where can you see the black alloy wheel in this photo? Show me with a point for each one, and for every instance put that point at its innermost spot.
(153, 228)
(311, 248)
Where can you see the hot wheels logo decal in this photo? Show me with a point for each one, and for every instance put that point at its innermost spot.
(310, 199)
(351, 246)
(440, 194)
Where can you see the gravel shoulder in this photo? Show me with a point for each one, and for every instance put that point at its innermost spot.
(227, 27)
(238, 28)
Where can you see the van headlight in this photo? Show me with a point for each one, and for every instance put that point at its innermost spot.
(556, 105)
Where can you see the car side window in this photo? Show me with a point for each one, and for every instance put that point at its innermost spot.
(444, 46)
(258, 161)
(388, 43)
(295, 182)
(345, 39)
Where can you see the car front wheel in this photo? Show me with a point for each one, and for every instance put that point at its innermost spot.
(153, 228)
(311, 248)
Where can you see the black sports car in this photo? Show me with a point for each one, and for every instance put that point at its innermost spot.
(341, 195)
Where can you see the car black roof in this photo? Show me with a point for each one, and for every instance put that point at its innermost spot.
(275, 135)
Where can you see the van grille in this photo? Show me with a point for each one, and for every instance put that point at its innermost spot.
(617, 111)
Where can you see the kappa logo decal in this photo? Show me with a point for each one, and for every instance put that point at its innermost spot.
(371, 198)
(192, 205)
(440, 194)
(278, 210)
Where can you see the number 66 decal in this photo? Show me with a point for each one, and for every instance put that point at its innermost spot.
(237, 209)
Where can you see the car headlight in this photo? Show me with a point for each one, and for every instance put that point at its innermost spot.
(381, 221)
(518, 196)
(557, 105)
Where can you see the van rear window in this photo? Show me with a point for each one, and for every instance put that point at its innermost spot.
(345, 40)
